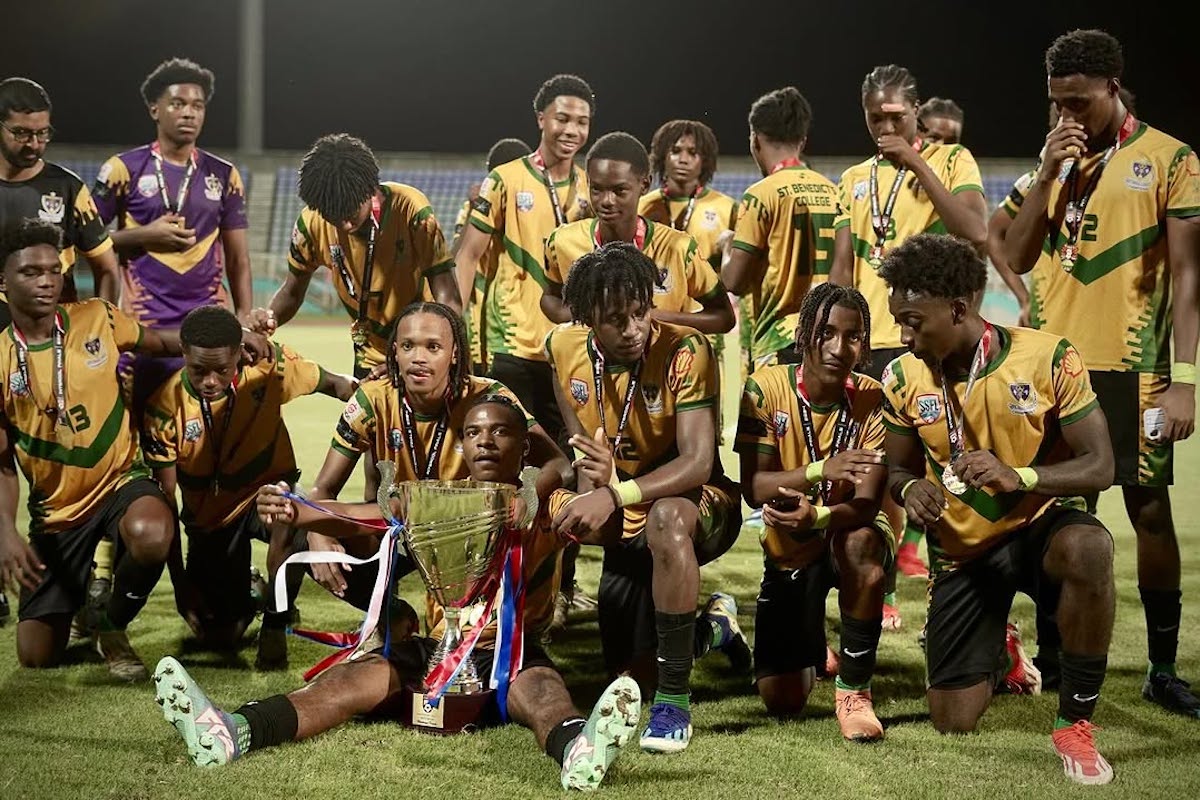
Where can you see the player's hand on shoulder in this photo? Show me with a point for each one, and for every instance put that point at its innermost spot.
(256, 347)
(924, 502)
(852, 465)
(378, 372)
(980, 469)
(260, 320)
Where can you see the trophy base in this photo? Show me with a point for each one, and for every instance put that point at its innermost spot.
(454, 713)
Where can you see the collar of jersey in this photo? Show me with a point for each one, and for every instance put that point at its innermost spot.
(998, 359)
(535, 173)
(703, 193)
(817, 407)
(645, 242)
(66, 318)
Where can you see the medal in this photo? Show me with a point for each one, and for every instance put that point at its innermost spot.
(358, 329)
(952, 482)
(427, 470)
(57, 405)
(358, 334)
(1067, 257)
(881, 218)
(956, 424)
(875, 256)
(1073, 216)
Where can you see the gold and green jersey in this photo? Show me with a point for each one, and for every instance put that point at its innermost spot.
(515, 209)
(409, 250)
(1115, 303)
(770, 423)
(1035, 385)
(485, 270)
(786, 219)
(712, 215)
(913, 213)
(255, 448)
(75, 465)
(686, 280)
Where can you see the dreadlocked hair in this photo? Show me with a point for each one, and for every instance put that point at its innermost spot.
(460, 368)
(1092, 53)
(891, 76)
(210, 326)
(504, 151)
(617, 273)
(28, 233)
(940, 107)
(814, 316)
(515, 413)
(173, 71)
(935, 265)
(337, 176)
(670, 133)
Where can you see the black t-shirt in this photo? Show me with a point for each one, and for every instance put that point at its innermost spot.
(57, 195)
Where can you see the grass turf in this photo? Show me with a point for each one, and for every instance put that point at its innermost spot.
(72, 732)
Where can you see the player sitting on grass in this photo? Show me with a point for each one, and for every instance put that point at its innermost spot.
(495, 440)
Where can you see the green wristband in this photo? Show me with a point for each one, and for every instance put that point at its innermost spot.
(629, 493)
(822, 520)
(1183, 372)
(815, 472)
(1028, 477)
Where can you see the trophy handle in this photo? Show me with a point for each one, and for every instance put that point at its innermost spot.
(528, 494)
(387, 485)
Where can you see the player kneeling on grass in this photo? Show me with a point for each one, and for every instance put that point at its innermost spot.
(810, 438)
(495, 441)
(67, 426)
(987, 428)
(215, 429)
(647, 389)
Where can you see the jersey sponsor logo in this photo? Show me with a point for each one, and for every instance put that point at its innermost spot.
(1072, 363)
(653, 397)
(929, 407)
(260, 394)
(17, 386)
(192, 430)
(212, 188)
(485, 188)
(482, 205)
(147, 186)
(860, 190)
(579, 391)
(1142, 176)
(351, 410)
(395, 439)
(399, 252)
(1024, 397)
(681, 368)
(711, 221)
(782, 422)
(97, 355)
(52, 208)
(297, 236)
(886, 377)
(524, 201)
(347, 433)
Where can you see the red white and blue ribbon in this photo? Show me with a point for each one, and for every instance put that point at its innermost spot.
(509, 654)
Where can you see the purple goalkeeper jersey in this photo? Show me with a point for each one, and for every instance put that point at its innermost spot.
(160, 288)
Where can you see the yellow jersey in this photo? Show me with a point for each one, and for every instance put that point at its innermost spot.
(913, 213)
(712, 215)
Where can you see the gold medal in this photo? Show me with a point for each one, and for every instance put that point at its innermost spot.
(358, 335)
(954, 484)
(1067, 256)
(875, 257)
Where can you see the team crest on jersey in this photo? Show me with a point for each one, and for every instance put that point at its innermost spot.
(929, 407)
(212, 188)
(653, 397)
(395, 439)
(524, 201)
(97, 356)
(860, 190)
(52, 208)
(192, 430)
(710, 222)
(1141, 179)
(579, 391)
(663, 284)
(1024, 398)
(782, 421)
(297, 237)
(147, 186)
(16, 385)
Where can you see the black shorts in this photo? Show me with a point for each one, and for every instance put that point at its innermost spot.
(1124, 397)
(533, 384)
(218, 565)
(881, 358)
(969, 605)
(67, 555)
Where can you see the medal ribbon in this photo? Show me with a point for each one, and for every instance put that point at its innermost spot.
(181, 195)
(210, 430)
(339, 259)
(59, 408)
(682, 223)
(560, 216)
(510, 623)
(598, 379)
(843, 431)
(1076, 204)
(955, 425)
(425, 472)
(787, 162)
(639, 234)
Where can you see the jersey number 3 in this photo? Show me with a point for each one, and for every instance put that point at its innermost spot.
(78, 418)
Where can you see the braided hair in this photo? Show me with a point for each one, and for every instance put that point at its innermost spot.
(891, 76)
(814, 316)
(615, 273)
(460, 369)
(783, 116)
(337, 176)
(670, 133)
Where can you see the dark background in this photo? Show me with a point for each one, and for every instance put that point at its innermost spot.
(453, 76)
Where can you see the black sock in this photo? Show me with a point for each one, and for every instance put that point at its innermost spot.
(272, 721)
(561, 736)
(1163, 608)
(1082, 677)
(860, 645)
(676, 640)
(132, 584)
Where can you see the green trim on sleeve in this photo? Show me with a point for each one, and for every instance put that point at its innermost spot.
(706, 402)
(1075, 416)
(353, 455)
(967, 187)
(900, 429)
(746, 246)
(481, 225)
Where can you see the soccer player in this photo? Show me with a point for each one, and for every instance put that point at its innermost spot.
(940, 121)
(380, 242)
(810, 439)
(215, 430)
(519, 206)
(181, 218)
(783, 239)
(638, 394)
(987, 427)
(618, 170)
(494, 438)
(414, 419)
(474, 292)
(66, 426)
(33, 188)
(1116, 203)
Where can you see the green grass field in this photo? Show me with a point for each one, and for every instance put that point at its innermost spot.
(71, 732)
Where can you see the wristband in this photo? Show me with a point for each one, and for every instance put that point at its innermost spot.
(822, 520)
(1183, 372)
(905, 487)
(1028, 477)
(616, 498)
(628, 493)
(815, 471)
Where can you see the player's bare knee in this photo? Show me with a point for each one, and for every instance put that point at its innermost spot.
(38, 657)
(859, 554)
(149, 538)
(1083, 554)
(1149, 510)
(953, 723)
(666, 526)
